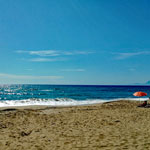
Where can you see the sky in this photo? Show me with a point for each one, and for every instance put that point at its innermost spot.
(94, 42)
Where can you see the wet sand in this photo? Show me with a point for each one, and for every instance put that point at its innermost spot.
(109, 126)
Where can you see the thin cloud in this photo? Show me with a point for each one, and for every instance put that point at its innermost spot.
(73, 70)
(40, 53)
(52, 53)
(13, 76)
(46, 59)
(128, 55)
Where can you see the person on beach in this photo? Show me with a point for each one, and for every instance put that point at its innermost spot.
(143, 105)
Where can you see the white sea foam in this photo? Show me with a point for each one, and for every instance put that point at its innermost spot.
(59, 102)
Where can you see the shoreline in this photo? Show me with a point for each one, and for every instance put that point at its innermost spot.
(52, 109)
(38, 106)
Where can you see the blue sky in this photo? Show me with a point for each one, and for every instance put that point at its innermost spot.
(74, 41)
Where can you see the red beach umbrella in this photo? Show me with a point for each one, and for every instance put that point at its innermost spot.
(139, 94)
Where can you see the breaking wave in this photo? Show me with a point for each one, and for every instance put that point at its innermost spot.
(58, 102)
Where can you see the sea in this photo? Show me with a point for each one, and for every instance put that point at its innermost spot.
(67, 95)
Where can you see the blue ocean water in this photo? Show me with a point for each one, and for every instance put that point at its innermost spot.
(64, 95)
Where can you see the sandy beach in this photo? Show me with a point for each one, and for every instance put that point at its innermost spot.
(109, 126)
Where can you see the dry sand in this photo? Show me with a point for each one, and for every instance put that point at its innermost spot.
(109, 126)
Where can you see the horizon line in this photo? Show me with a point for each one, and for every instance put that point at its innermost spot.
(77, 84)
